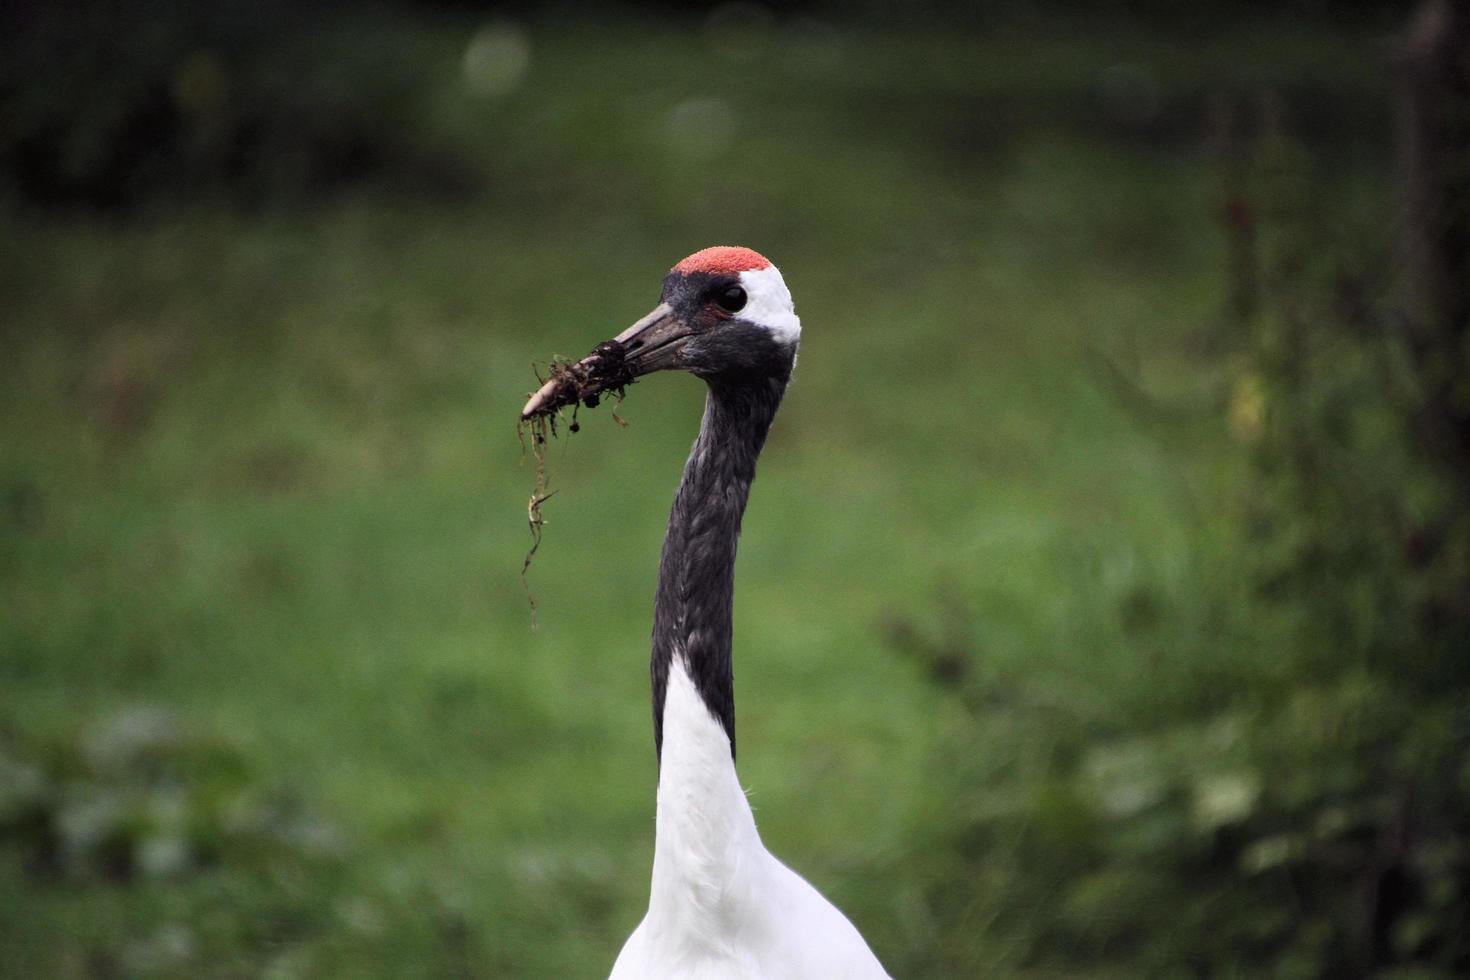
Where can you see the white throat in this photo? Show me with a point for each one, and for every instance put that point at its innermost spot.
(706, 841)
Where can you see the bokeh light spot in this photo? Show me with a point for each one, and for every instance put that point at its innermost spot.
(496, 60)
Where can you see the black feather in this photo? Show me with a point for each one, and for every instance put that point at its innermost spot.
(696, 574)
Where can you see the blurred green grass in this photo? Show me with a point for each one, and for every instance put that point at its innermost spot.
(263, 473)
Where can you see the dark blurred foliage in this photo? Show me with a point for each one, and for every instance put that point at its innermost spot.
(139, 799)
(1303, 808)
(964, 12)
(110, 105)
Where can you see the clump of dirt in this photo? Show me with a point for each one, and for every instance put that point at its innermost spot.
(575, 383)
(585, 381)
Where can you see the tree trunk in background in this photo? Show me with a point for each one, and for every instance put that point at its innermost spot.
(1434, 145)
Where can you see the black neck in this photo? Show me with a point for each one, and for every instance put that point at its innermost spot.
(696, 575)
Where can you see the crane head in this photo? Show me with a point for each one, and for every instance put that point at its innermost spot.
(725, 315)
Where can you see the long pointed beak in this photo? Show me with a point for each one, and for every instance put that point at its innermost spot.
(654, 343)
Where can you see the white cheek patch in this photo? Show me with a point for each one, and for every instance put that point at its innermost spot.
(768, 304)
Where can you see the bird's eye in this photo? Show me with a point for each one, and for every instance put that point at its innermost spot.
(731, 299)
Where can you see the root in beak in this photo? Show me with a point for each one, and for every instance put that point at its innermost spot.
(584, 381)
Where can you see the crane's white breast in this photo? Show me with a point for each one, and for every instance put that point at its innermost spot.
(721, 907)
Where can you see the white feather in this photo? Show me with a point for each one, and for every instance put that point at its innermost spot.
(720, 906)
(768, 303)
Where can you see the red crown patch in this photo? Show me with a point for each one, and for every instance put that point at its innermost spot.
(723, 260)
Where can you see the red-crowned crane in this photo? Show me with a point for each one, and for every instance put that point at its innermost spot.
(720, 906)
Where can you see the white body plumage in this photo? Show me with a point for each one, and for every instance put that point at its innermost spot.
(721, 907)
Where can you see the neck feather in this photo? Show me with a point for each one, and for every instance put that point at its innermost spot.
(696, 574)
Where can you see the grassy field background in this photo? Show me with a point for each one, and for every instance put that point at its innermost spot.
(264, 656)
